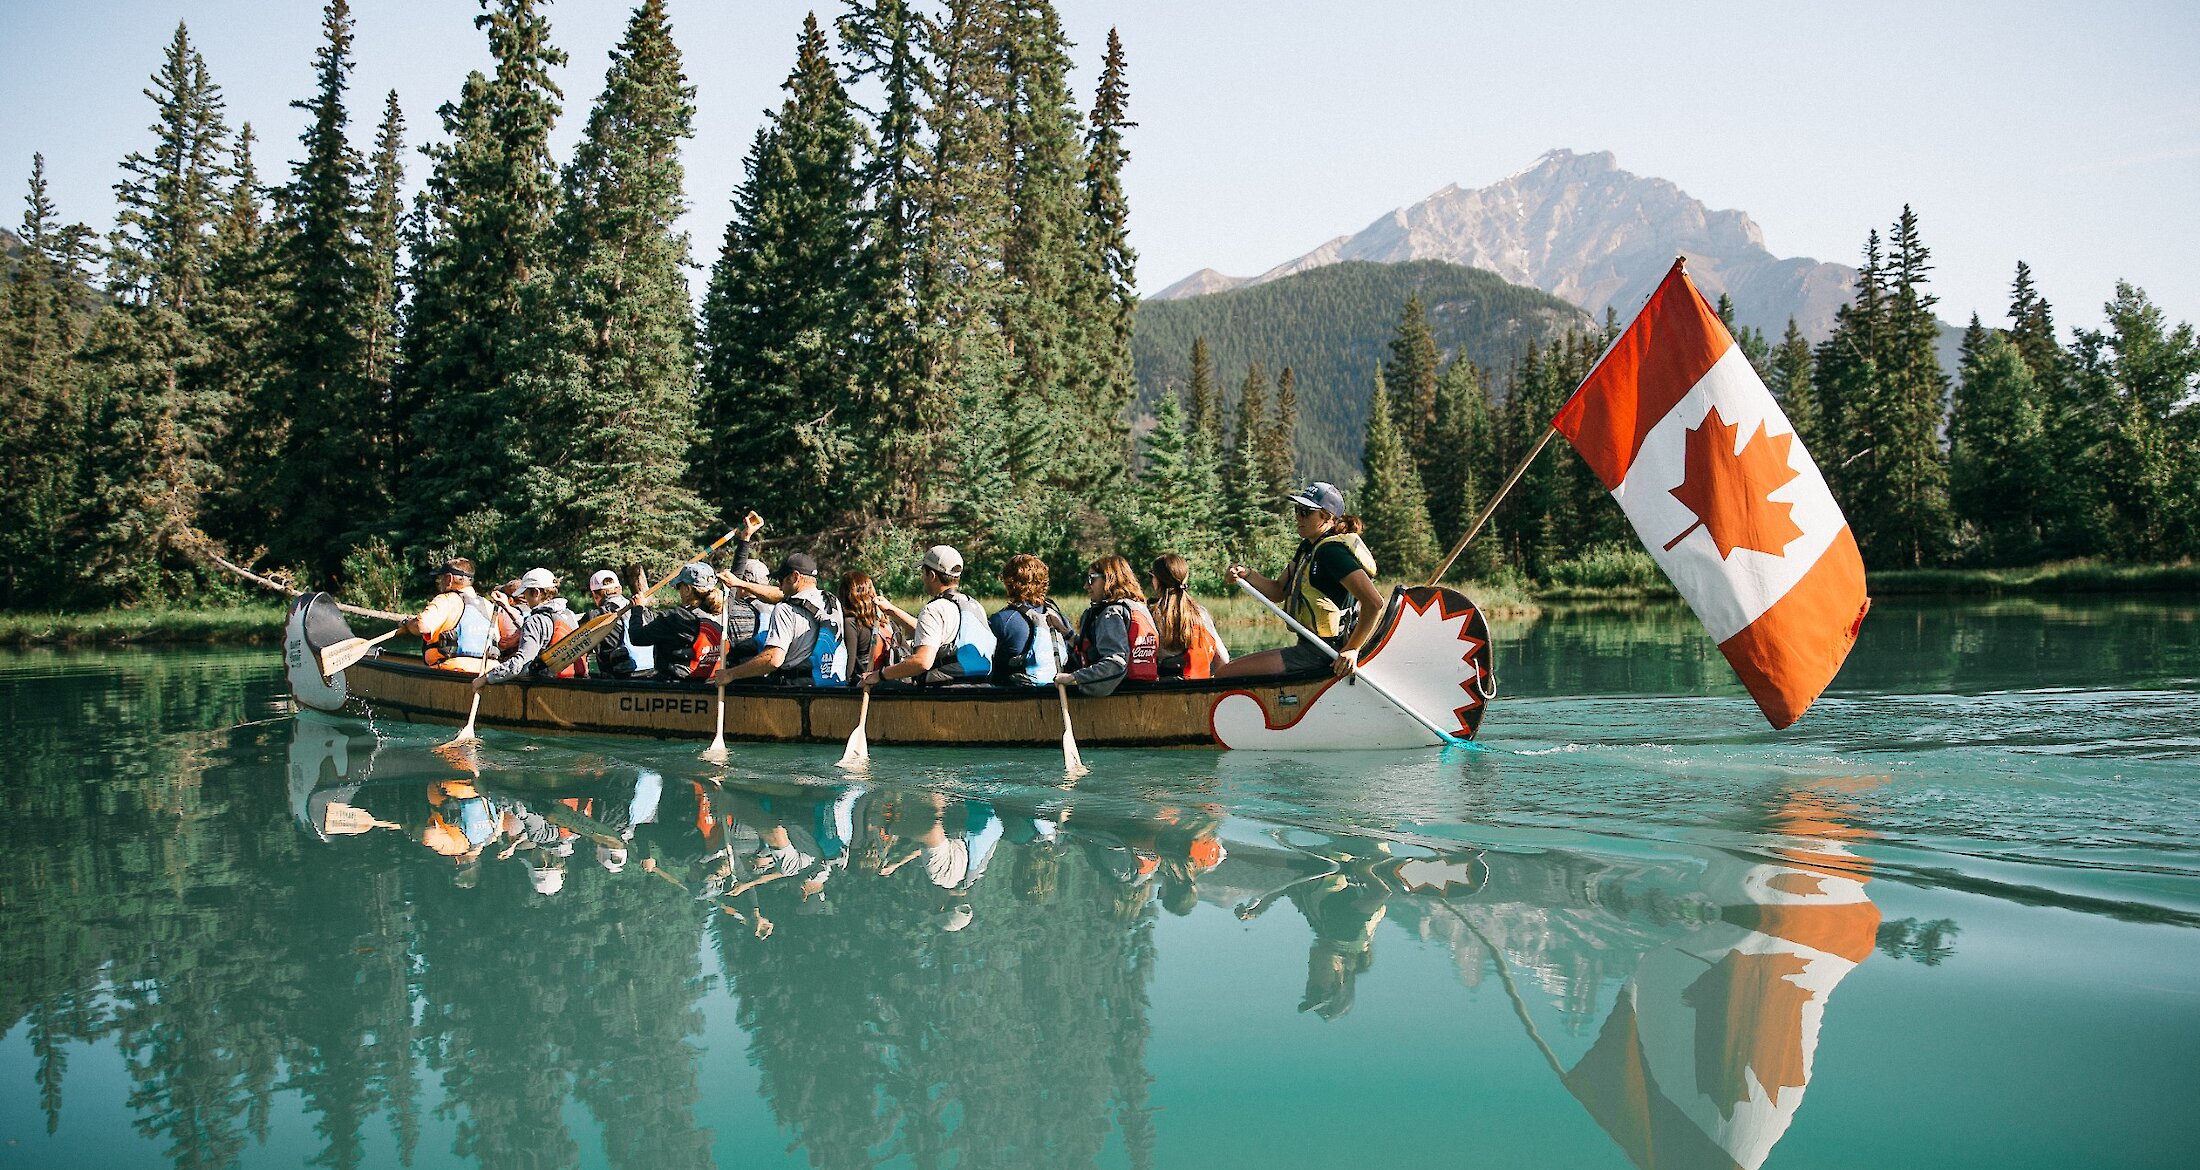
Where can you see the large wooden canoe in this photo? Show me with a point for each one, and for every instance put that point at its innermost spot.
(1431, 649)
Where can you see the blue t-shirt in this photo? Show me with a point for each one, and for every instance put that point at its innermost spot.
(1012, 636)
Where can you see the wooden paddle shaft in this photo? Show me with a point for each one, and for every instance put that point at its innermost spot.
(1441, 734)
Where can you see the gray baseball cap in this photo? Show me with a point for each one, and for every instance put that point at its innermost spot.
(1322, 496)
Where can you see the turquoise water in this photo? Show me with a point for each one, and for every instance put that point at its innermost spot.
(1947, 920)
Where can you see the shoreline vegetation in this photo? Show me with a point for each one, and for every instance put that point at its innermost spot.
(1239, 619)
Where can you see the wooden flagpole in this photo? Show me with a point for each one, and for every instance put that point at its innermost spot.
(1679, 262)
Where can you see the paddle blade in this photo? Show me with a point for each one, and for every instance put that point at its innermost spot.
(1072, 763)
(585, 637)
(343, 654)
(858, 754)
(716, 752)
(466, 733)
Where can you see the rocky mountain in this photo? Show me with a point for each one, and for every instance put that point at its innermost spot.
(1580, 228)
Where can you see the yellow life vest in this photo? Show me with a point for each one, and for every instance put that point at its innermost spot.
(1309, 606)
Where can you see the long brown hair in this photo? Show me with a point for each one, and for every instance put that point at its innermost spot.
(860, 597)
(710, 600)
(1174, 611)
(1026, 579)
(1117, 581)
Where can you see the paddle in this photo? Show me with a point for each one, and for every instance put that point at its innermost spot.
(466, 733)
(1071, 761)
(589, 634)
(858, 754)
(335, 658)
(1442, 736)
(716, 752)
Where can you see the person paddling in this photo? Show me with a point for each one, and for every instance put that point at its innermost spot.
(1116, 638)
(1325, 587)
(544, 618)
(456, 623)
(953, 643)
(689, 638)
(804, 636)
(613, 659)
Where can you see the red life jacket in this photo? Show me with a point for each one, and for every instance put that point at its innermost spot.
(562, 622)
(1144, 660)
(709, 643)
(508, 620)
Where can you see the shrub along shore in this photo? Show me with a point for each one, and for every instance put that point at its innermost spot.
(1239, 619)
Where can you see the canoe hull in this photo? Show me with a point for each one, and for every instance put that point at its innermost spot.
(1269, 713)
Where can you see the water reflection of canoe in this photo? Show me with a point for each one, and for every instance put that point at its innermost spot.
(1431, 648)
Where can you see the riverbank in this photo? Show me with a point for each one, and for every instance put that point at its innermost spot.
(2067, 577)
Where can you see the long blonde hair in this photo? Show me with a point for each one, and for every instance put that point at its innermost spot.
(1174, 611)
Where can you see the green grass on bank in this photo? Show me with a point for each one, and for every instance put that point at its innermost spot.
(246, 624)
(2061, 577)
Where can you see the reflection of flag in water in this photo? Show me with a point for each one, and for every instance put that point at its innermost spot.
(1685, 436)
(1706, 1054)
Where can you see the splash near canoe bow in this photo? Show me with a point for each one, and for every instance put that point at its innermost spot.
(1430, 648)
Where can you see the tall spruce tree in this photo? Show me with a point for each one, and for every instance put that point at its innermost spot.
(323, 481)
(1108, 300)
(1042, 255)
(1279, 444)
(1749, 339)
(1898, 497)
(1464, 468)
(384, 241)
(482, 314)
(151, 421)
(1412, 370)
(1788, 376)
(1205, 395)
(623, 375)
(2032, 329)
(1845, 371)
(1177, 492)
(240, 322)
(2144, 377)
(43, 319)
(1537, 519)
(1244, 479)
(1997, 466)
(1391, 500)
(783, 400)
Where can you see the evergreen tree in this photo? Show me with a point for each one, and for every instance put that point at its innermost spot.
(1898, 499)
(151, 421)
(1412, 369)
(1537, 517)
(384, 241)
(1042, 258)
(1279, 447)
(1465, 466)
(1845, 370)
(1177, 492)
(788, 297)
(2143, 377)
(1206, 396)
(1390, 498)
(1245, 479)
(239, 322)
(482, 312)
(1996, 459)
(1750, 340)
(1109, 299)
(623, 374)
(322, 481)
(42, 322)
(1789, 378)
(2032, 329)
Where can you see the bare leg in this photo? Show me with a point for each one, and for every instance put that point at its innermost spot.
(1264, 662)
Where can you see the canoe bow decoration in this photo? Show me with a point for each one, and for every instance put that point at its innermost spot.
(1431, 649)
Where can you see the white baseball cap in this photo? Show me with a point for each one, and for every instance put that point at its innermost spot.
(538, 579)
(603, 579)
(944, 561)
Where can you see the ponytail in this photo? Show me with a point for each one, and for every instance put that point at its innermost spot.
(1174, 611)
(1348, 526)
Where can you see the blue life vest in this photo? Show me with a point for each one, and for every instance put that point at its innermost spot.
(1042, 658)
(829, 651)
(468, 637)
(972, 654)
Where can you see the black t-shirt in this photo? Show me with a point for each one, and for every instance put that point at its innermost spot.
(1333, 562)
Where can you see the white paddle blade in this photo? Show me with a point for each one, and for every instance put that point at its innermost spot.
(716, 752)
(1072, 763)
(336, 658)
(858, 754)
(466, 733)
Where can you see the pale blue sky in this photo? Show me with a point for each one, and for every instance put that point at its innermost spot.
(2065, 135)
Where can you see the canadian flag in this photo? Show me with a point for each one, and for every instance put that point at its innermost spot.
(1685, 436)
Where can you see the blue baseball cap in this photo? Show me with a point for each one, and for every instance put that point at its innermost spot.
(698, 574)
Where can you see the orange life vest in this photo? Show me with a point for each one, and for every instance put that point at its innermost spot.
(1199, 651)
(562, 622)
(710, 642)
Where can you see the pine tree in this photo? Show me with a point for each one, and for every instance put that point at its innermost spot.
(1537, 517)
(2032, 329)
(883, 40)
(1789, 378)
(1206, 396)
(1279, 445)
(240, 321)
(151, 422)
(1042, 256)
(1464, 468)
(1412, 368)
(1996, 460)
(783, 403)
(482, 313)
(42, 322)
(384, 240)
(1898, 499)
(1244, 480)
(1750, 340)
(2143, 377)
(623, 370)
(322, 480)
(1845, 371)
(1108, 301)
(1390, 498)
(1177, 493)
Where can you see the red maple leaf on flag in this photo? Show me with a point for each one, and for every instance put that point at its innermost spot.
(1749, 1026)
(1728, 492)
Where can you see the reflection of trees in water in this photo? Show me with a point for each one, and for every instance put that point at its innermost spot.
(1930, 943)
(1013, 1042)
